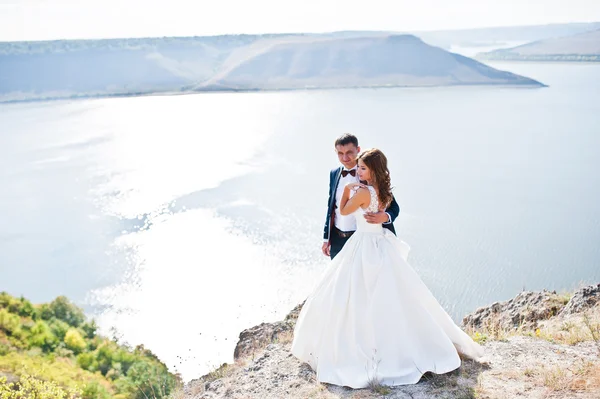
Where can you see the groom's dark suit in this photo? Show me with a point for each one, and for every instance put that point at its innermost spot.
(336, 238)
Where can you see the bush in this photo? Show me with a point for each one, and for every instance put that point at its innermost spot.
(75, 341)
(104, 357)
(59, 328)
(125, 359)
(5, 299)
(21, 306)
(42, 337)
(151, 379)
(60, 371)
(93, 390)
(45, 312)
(87, 361)
(61, 350)
(25, 308)
(90, 328)
(4, 349)
(9, 323)
(30, 387)
(64, 310)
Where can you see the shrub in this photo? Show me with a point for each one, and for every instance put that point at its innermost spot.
(61, 350)
(25, 308)
(60, 371)
(125, 359)
(87, 361)
(75, 341)
(10, 323)
(5, 299)
(59, 328)
(42, 337)
(64, 310)
(90, 328)
(31, 387)
(45, 312)
(104, 357)
(151, 379)
(93, 390)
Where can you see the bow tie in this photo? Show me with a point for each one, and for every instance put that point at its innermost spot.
(346, 172)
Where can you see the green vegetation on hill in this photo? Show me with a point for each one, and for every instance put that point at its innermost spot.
(51, 351)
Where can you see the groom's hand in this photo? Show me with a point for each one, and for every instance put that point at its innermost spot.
(326, 249)
(377, 218)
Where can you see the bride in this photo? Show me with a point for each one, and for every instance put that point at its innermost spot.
(371, 318)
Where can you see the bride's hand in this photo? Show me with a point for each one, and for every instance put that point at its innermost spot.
(354, 186)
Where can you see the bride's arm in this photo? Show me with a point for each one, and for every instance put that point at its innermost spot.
(349, 205)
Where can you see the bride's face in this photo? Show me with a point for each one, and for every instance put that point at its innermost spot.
(364, 173)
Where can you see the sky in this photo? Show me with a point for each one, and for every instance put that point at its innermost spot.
(93, 19)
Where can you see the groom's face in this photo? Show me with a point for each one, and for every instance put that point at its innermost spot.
(347, 154)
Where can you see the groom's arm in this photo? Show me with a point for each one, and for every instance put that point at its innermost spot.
(328, 217)
(392, 211)
(387, 217)
(326, 248)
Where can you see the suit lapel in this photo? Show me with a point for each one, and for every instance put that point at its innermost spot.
(337, 177)
(332, 202)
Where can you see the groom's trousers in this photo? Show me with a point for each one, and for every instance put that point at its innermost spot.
(338, 240)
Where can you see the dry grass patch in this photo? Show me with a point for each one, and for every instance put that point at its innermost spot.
(584, 377)
(180, 394)
(463, 383)
(318, 391)
(377, 387)
(571, 330)
(196, 388)
(565, 297)
(223, 371)
(528, 372)
(491, 330)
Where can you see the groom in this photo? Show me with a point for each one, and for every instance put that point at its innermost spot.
(339, 228)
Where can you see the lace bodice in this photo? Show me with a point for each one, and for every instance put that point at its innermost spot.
(361, 223)
(374, 204)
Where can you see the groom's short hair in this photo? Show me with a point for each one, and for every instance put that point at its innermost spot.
(346, 138)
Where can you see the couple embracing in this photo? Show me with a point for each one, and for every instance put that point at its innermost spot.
(371, 317)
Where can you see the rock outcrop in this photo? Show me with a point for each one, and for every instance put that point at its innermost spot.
(258, 337)
(523, 311)
(583, 299)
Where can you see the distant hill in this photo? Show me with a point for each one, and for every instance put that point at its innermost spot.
(504, 34)
(580, 47)
(71, 69)
(395, 60)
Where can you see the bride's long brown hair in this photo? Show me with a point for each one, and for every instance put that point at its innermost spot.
(380, 174)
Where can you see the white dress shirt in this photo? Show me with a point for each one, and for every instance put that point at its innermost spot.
(348, 222)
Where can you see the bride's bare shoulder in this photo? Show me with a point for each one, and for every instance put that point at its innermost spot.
(363, 192)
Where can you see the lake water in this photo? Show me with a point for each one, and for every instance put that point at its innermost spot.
(181, 220)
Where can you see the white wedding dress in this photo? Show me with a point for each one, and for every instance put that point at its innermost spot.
(371, 318)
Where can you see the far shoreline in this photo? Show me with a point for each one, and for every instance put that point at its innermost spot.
(250, 90)
(540, 60)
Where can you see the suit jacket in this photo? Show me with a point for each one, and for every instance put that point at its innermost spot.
(334, 178)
